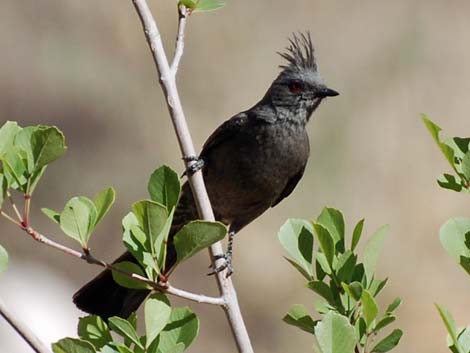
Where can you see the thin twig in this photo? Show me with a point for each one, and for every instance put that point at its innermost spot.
(168, 82)
(23, 330)
(27, 205)
(10, 218)
(179, 48)
(12, 202)
(88, 257)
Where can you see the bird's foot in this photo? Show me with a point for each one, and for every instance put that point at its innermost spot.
(227, 264)
(193, 168)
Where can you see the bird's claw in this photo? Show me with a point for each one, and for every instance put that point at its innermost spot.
(226, 265)
(193, 168)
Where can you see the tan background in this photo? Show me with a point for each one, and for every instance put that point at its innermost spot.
(85, 67)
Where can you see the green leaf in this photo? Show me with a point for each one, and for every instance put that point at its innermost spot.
(103, 203)
(190, 4)
(386, 320)
(448, 181)
(164, 187)
(8, 132)
(326, 243)
(299, 268)
(179, 348)
(466, 165)
(94, 330)
(345, 266)
(332, 220)
(464, 339)
(72, 345)
(195, 236)
(209, 5)
(394, 305)
(299, 316)
(183, 327)
(126, 281)
(354, 290)
(296, 238)
(322, 289)
(152, 218)
(357, 232)
(372, 251)
(449, 322)
(376, 286)
(47, 145)
(453, 236)
(3, 186)
(369, 306)
(125, 329)
(434, 130)
(15, 168)
(3, 259)
(53, 215)
(389, 342)
(78, 219)
(157, 314)
(335, 334)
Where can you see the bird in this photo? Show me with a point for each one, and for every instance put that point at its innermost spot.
(250, 163)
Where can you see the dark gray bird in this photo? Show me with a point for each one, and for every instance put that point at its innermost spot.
(250, 163)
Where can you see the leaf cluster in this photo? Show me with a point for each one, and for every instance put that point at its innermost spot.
(167, 330)
(347, 287)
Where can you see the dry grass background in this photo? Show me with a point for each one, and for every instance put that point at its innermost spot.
(85, 67)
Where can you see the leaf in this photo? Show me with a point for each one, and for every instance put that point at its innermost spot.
(78, 219)
(182, 327)
(195, 236)
(3, 259)
(8, 132)
(464, 339)
(335, 334)
(322, 289)
(94, 330)
(357, 232)
(164, 187)
(296, 238)
(125, 329)
(376, 286)
(126, 281)
(157, 314)
(15, 168)
(299, 316)
(326, 243)
(345, 266)
(304, 273)
(53, 215)
(434, 130)
(448, 181)
(103, 203)
(369, 306)
(47, 145)
(209, 5)
(72, 345)
(389, 342)
(179, 348)
(152, 217)
(386, 320)
(3, 187)
(332, 219)
(394, 305)
(372, 251)
(450, 326)
(453, 236)
(354, 290)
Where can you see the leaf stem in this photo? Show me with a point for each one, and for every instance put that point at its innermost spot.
(27, 206)
(12, 202)
(11, 219)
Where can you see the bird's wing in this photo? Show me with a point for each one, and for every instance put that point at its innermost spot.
(290, 186)
(224, 132)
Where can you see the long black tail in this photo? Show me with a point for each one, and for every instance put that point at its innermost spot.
(105, 298)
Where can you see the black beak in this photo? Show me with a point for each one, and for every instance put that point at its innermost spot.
(327, 92)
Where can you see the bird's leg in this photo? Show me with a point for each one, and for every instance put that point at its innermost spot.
(193, 168)
(227, 257)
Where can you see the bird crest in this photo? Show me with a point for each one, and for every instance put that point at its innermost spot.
(300, 53)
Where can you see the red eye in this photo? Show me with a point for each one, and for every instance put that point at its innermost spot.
(295, 87)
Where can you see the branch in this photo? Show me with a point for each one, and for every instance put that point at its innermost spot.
(167, 80)
(23, 330)
(183, 14)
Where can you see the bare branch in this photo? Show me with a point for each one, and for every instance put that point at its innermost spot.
(10, 218)
(183, 14)
(12, 202)
(23, 330)
(168, 82)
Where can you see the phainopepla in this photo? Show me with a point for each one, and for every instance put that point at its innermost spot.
(250, 163)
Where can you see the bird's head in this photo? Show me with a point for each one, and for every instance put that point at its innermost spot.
(299, 88)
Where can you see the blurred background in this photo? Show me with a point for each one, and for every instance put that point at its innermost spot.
(85, 67)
